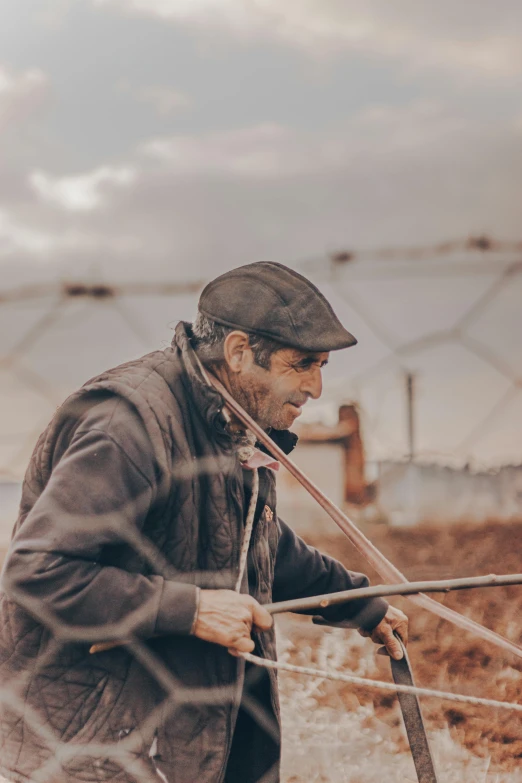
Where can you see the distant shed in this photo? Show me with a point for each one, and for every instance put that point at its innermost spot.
(402, 492)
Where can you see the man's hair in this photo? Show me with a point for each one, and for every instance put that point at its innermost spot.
(209, 338)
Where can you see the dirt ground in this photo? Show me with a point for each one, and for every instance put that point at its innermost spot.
(443, 656)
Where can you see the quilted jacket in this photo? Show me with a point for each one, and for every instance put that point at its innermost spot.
(133, 496)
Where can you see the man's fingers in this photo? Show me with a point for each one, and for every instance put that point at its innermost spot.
(395, 649)
(226, 617)
(402, 630)
(261, 618)
(391, 643)
(243, 645)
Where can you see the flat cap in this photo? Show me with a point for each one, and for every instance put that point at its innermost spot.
(272, 300)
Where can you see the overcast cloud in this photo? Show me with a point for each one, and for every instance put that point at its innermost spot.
(468, 37)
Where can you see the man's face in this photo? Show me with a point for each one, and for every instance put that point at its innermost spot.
(275, 397)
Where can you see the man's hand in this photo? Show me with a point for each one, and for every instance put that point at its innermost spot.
(227, 618)
(393, 620)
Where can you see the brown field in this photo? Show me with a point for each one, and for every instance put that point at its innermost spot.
(442, 656)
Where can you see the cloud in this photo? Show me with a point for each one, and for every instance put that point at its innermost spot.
(236, 14)
(271, 151)
(20, 94)
(443, 37)
(83, 192)
(263, 151)
(391, 175)
(51, 14)
(165, 100)
(187, 205)
(18, 238)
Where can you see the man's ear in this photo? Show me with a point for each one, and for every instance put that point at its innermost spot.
(236, 351)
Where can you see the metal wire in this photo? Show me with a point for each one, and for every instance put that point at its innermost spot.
(352, 679)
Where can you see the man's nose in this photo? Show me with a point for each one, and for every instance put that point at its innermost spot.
(313, 384)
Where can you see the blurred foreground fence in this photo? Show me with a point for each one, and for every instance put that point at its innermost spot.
(447, 316)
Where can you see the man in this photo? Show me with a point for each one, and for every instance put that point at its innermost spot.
(135, 510)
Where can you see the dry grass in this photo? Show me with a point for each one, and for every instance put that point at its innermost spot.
(338, 732)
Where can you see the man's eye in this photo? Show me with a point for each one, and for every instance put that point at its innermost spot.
(305, 365)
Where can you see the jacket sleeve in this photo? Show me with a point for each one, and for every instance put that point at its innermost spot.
(302, 571)
(97, 498)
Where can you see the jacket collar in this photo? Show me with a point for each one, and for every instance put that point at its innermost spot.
(208, 400)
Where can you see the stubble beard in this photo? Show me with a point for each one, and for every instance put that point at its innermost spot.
(258, 401)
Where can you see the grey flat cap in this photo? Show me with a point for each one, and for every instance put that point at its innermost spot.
(274, 301)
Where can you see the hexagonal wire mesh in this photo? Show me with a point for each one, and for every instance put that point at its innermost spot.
(407, 304)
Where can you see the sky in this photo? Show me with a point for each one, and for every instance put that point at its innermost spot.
(154, 140)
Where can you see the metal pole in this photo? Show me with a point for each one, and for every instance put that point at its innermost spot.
(406, 588)
(410, 390)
